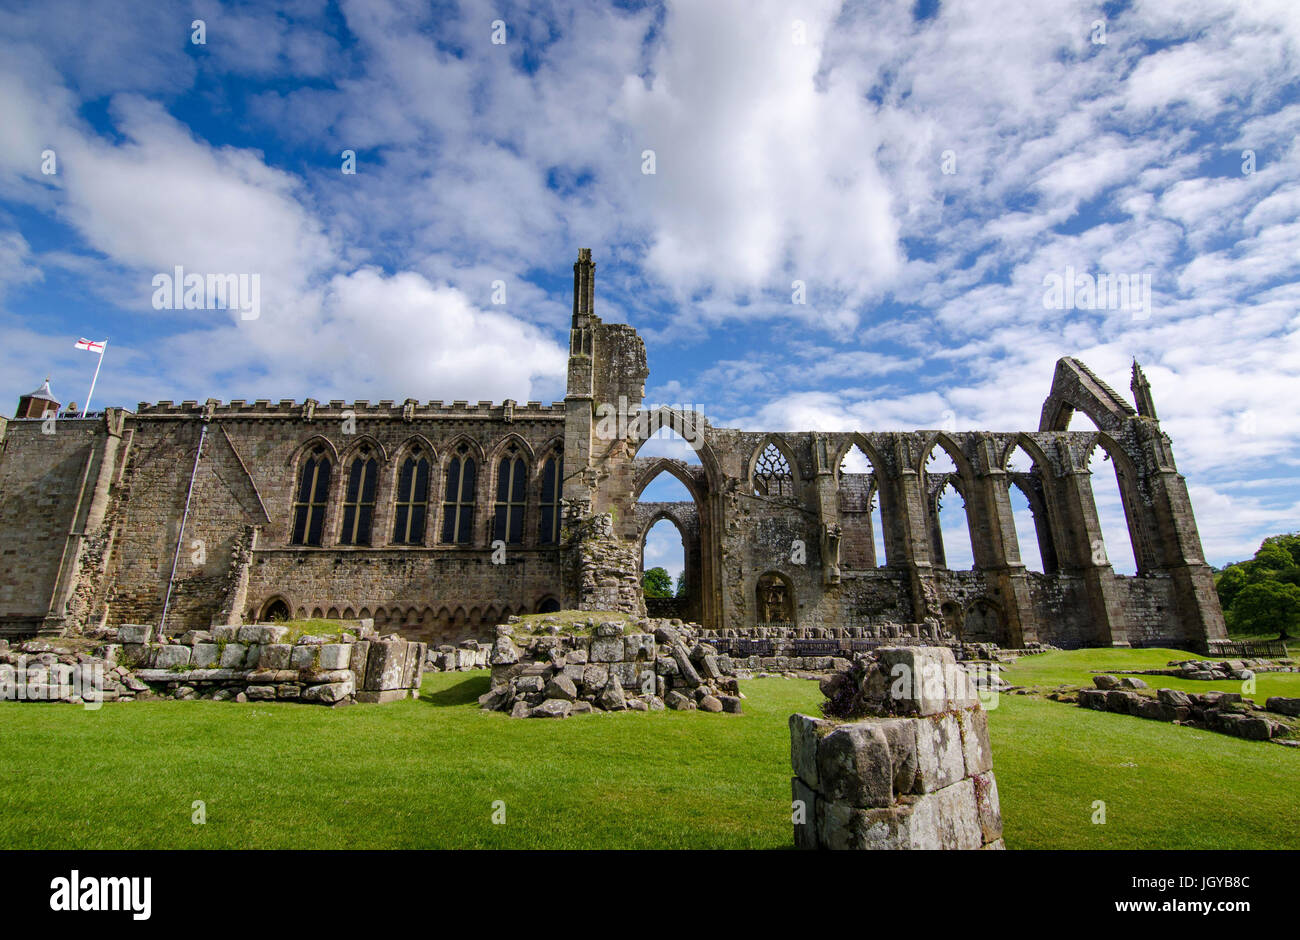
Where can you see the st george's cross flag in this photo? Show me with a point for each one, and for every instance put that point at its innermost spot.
(91, 345)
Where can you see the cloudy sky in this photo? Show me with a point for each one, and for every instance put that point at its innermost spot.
(921, 169)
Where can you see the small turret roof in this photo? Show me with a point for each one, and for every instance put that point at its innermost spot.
(43, 393)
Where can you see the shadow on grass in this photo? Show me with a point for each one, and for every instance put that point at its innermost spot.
(462, 693)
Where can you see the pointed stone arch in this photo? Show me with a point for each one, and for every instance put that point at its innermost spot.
(364, 440)
(863, 515)
(1038, 490)
(675, 468)
(1126, 481)
(1075, 387)
(962, 482)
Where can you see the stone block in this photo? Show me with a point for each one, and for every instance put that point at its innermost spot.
(595, 677)
(710, 703)
(947, 819)
(987, 807)
(385, 665)
(168, 657)
(232, 656)
(939, 756)
(561, 687)
(731, 704)
(1176, 698)
(608, 628)
(639, 647)
(918, 678)
(1105, 682)
(274, 656)
(335, 656)
(607, 650)
(1283, 705)
(304, 656)
(803, 814)
(1121, 701)
(843, 827)
(975, 747)
(260, 693)
(328, 693)
(805, 732)
(205, 655)
(358, 652)
(552, 708)
(136, 633)
(225, 634)
(679, 702)
(261, 633)
(854, 767)
(288, 690)
(528, 684)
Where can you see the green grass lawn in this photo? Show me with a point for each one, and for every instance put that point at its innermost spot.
(426, 773)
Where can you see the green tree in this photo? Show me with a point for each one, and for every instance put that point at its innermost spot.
(657, 582)
(1229, 584)
(1267, 606)
(681, 584)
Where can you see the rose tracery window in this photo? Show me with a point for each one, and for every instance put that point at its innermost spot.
(772, 475)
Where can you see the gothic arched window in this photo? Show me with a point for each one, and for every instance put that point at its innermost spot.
(549, 529)
(458, 501)
(359, 499)
(309, 504)
(512, 497)
(412, 505)
(772, 476)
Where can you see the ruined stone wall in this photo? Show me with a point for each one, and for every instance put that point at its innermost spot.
(246, 477)
(45, 486)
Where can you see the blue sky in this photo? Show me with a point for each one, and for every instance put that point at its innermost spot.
(920, 168)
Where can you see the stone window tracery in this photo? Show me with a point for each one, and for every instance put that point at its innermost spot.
(359, 499)
(549, 525)
(310, 499)
(512, 498)
(412, 507)
(772, 475)
(458, 502)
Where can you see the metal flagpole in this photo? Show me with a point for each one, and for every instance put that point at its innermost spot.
(103, 349)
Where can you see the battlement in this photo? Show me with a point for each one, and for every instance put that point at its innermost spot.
(310, 409)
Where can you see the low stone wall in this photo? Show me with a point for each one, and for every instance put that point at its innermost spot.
(252, 663)
(1209, 670)
(470, 654)
(1224, 712)
(642, 665)
(917, 774)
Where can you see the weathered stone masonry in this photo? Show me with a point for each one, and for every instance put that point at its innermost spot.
(777, 532)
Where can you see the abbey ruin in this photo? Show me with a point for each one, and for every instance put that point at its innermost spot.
(439, 520)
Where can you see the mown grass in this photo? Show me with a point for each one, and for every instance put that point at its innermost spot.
(424, 774)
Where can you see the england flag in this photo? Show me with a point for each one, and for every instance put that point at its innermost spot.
(91, 345)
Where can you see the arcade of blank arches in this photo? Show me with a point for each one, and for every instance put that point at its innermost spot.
(441, 520)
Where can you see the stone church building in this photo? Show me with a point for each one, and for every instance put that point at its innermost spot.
(441, 519)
